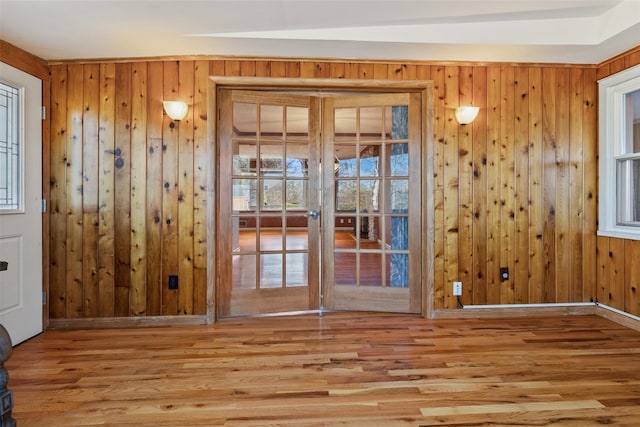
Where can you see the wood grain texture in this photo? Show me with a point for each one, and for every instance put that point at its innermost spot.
(529, 180)
(334, 369)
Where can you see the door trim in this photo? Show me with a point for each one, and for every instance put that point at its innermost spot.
(424, 87)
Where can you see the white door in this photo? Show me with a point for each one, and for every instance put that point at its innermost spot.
(20, 203)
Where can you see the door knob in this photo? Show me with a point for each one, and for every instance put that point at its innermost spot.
(314, 214)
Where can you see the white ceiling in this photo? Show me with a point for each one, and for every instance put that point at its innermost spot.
(562, 31)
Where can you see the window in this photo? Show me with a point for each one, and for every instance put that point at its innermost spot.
(10, 149)
(619, 201)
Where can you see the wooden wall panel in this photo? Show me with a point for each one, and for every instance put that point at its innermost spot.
(106, 190)
(517, 188)
(138, 253)
(90, 190)
(618, 275)
(74, 256)
(58, 194)
(536, 170)
(122, 189)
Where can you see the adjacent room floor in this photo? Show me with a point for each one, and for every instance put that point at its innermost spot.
(336, 369)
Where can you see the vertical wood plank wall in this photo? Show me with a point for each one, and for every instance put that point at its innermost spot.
(515, 189)
(618, 260)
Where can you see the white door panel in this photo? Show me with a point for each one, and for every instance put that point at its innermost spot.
(21, 227)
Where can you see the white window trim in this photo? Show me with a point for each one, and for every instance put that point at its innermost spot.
(611, 94)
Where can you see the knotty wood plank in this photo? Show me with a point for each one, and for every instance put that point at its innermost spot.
(521, 208)
(311, 370)
(106, 197)
(90, 177)
(562, 187)
(170, 141)
(138, 262)
(337, 70)
(365, 71)
(154, 188)
(603, 275)
(58, 189)
(479, 267)
(122, 189)
(451, 185)
(185, 191)
(351, 70)
(576, 186)
(617, 282)
(200, 169)
(438, 76)
(74, 257)
(536, 170)
(549, 141)
(632, 276)
(395, 71)
(493, 185)
(507, 183)
(590, 159)
(465, 186)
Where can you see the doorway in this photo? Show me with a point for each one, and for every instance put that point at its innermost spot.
(319, 201)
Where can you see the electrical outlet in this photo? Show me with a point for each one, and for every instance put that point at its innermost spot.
(504, 274)
(457, 289)
(173, 282)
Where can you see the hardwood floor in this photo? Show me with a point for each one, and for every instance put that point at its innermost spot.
(336, 369)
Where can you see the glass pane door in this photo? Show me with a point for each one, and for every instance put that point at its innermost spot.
(372, 259)
(272, 242)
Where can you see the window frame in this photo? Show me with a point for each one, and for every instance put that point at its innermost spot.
(20, 187)
(612, 91)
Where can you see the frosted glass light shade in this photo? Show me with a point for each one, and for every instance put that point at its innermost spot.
(466, 114)
(177, 110)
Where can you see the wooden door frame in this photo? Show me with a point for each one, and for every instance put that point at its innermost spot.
(424, 87)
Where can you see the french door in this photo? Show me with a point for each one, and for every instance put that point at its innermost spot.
(318, 202)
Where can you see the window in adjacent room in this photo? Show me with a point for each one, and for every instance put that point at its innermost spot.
(619, 200)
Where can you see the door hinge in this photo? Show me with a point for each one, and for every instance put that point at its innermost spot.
(44, 205)
(44, 298)
(44, 112)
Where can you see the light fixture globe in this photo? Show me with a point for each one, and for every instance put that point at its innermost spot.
(177, 110)
(466, 114)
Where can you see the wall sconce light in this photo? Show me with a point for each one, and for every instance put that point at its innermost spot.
(466, 114)
(177, 110)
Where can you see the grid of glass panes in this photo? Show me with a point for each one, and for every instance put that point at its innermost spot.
(371, 179)
(628, 164)
(270, 183)
(10, 161)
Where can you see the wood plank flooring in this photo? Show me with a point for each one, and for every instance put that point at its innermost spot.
(360, 369)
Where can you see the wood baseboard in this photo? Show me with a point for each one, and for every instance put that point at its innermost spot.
(489, 312)
(620, 318)
(535, 310)
(127, 322)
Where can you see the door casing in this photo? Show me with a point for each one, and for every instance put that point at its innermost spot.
(423, 87)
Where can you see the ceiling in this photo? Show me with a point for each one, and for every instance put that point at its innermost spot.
(549, 31)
